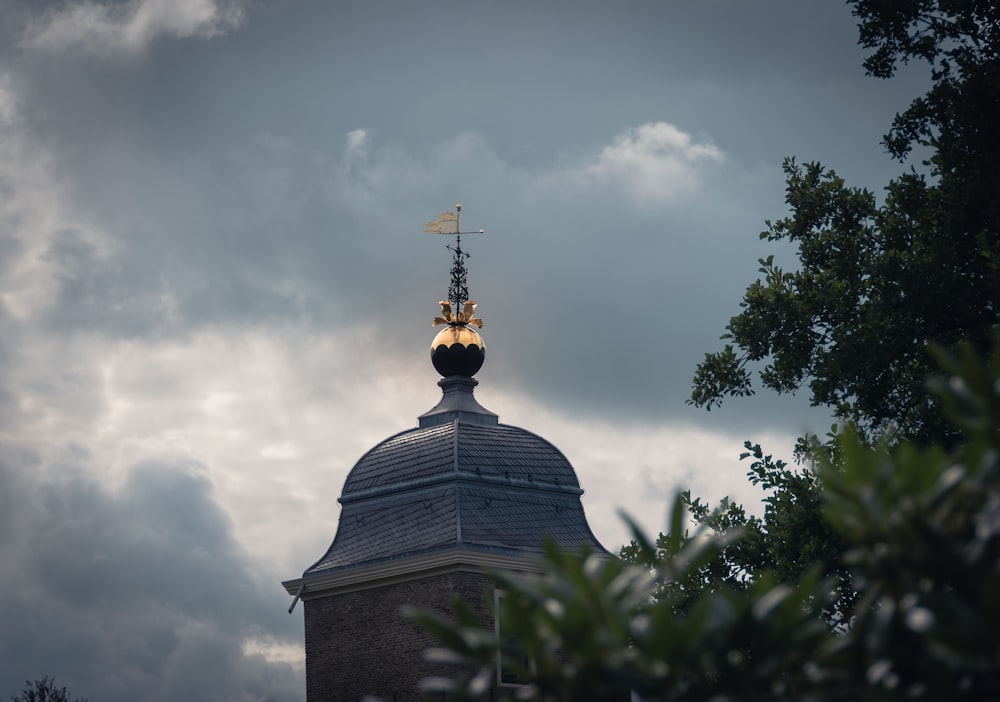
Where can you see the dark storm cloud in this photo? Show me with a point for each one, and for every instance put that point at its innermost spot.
(222, 174)
(139, 593)
(97, 292)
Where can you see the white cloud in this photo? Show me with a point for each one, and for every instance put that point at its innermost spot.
(32, 215)
(653, 165)
(274, 419)
(639, 468)
(652, 162)
(356, 141)
(46, 241)
(112, 29)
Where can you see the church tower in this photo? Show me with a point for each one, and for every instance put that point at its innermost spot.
(423, 513)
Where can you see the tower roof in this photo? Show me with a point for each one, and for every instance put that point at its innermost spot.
(461, 481)
(458, 449)
(460, 485)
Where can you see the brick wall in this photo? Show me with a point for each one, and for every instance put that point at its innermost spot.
(357, 643)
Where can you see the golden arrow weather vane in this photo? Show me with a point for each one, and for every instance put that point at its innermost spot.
(458, 291)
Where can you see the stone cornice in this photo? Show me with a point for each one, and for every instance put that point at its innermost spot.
(325, 584)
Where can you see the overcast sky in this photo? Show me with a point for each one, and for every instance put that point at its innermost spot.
(215, 291)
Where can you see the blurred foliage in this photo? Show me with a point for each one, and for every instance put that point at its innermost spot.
(45, 690)
(921, 530)
(877, 284)
(923, 526)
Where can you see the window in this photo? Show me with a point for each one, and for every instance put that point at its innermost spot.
(512, 662)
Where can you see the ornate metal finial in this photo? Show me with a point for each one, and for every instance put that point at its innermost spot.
(458, 290)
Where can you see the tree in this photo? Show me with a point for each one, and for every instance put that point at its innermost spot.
(44, 690)
(877, 284)
(790, 538)
(922, 526)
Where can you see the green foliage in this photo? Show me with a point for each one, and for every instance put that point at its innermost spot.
(589, 631)
(961, 44)
(558, 634)
(790, 538)
(732, 535)
(921, 528)
(44, 690)
(924, 532)
(877, 284)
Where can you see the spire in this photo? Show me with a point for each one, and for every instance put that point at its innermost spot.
(458, 349)
(450, 223)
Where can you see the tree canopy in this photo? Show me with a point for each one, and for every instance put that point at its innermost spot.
(877, 283)
(45, 690)
(789, 539)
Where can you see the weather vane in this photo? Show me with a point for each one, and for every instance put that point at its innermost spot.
(458, 290)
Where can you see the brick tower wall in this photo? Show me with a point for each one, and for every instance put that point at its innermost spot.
(357, 643)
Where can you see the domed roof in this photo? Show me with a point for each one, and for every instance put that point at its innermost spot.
(460, 480)
(488, 453)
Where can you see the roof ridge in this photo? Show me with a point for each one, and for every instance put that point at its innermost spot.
(458, 496)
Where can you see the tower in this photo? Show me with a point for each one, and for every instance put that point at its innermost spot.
(423, 514)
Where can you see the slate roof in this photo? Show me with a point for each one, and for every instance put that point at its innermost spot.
(490, 487)
(499, 451)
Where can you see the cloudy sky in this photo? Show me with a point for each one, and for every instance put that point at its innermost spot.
(215, 292)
